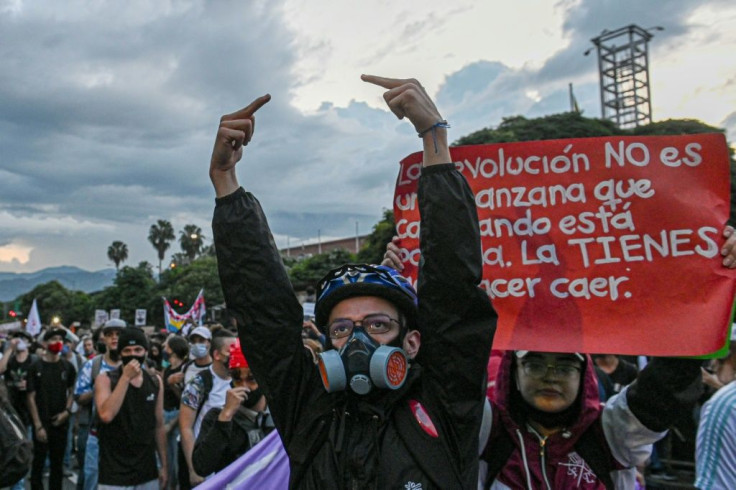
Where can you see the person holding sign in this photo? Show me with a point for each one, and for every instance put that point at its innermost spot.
(397, 399)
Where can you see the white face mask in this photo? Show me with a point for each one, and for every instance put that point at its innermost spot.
(199, 350)
(22, 346)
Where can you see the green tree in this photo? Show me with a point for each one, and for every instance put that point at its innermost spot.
(191, 241)
(53, 299)
(309, 271)
(117, 252)
(375, 244)
(179, 259)
(555, 126)
(161, 235)
(133, 288)
(185, 282)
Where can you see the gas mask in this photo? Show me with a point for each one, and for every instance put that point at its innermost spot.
(363, 363)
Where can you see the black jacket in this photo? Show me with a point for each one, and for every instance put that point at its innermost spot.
(220, 443)
(341, 440)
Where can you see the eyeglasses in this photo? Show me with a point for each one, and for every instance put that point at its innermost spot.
(539, 370)
(372, 324)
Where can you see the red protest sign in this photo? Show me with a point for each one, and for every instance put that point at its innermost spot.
(597, 244)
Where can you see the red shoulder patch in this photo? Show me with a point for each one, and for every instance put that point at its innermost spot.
(422, 418)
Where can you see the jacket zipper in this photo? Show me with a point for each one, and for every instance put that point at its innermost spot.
(542, 444)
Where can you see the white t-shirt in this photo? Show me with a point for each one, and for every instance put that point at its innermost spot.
(215, 399)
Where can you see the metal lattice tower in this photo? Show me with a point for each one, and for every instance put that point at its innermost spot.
(623, 63)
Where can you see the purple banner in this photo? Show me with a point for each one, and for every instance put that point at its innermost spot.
(265, 466)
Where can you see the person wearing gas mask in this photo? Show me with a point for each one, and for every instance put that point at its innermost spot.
(107, 360)
(397, 399)
(50, 397)
(229, 432)
(131, 432)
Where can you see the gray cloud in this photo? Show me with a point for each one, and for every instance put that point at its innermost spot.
(108, 112)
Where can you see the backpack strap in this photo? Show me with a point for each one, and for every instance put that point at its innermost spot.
(96, 367)
(185, 367)
(206, 376)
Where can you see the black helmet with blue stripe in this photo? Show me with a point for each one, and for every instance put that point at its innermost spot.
(352, 280)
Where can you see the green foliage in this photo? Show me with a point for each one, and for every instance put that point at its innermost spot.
(53, 299)
(118, 253)
(134, 288)
(375, 245)
(555, 126)
(191, 241)
(675, 126)
(184, 283)
(161, 235)
(309, 271)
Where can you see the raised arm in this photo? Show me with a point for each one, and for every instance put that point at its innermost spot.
(235, 132)
(455, 319)
(407, 99)
(256, 286)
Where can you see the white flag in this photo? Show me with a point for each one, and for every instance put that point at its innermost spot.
(33, 325)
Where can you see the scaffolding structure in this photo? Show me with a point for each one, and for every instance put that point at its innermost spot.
(623, 63)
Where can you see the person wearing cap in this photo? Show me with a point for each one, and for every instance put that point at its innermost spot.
(229, 432)
(396, 400)
(50, 397)
(87, 442)
(131, 431)
(200, 340)
(205, 391)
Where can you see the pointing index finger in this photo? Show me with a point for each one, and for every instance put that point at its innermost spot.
(387, 83)
(248, 111)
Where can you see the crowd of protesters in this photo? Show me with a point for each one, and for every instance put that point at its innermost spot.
(58, 368)
(371, 383)
(72, 394)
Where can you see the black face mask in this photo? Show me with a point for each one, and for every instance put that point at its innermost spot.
(253, 397)
(141, 359)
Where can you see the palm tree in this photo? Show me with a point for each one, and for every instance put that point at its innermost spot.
(117, 252)
(191, 241)
(160, 235)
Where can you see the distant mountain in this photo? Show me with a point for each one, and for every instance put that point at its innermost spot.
(14, 284)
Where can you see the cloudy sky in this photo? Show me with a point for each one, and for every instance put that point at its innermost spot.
(108, 109)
